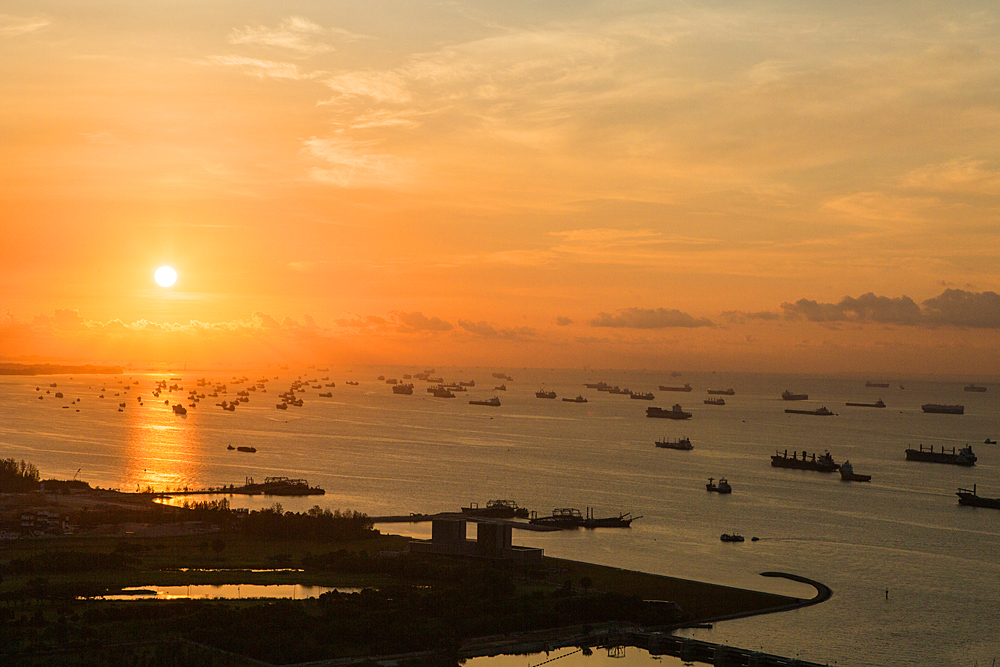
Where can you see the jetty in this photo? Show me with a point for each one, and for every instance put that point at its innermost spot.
(419, 518)
(271, 486)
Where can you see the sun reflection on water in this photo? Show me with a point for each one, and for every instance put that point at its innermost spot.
(161, 448)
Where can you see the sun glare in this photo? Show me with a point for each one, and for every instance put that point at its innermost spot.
(165, 276)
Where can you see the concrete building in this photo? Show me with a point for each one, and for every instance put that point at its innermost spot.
(493, 542)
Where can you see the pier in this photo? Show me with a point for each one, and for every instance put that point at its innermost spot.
(419, 518)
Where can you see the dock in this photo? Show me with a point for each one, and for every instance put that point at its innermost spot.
(419, 518)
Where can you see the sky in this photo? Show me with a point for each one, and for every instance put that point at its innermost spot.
(770, 186)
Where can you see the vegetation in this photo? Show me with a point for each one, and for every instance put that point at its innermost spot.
(18, 477)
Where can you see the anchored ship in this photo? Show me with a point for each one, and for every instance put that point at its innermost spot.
(975, 388)
(880, 385)
(822, 412)
(497, 509)
(877, 404)
(686, 387)
(823, 463)
(679, 443)
(789, 396)
(674, 413)
(724, 392)
(722, 487)
(847, 474)
(943, 409)
(493, 402)
(971, 498)
(963, 457)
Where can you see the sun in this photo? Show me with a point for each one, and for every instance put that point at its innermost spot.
(165, 276)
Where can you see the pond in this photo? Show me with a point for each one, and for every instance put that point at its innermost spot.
(225, 592)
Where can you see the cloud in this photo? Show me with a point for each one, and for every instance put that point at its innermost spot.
(261, 68)
(265, 320)
(741, 316)
(865, 308)
(563, 321)
(959, 308)
(964, 175)
(417, 321)
(953, 307)
(12, 26)
(648, 318)
(486, 330)
(366, 322)
(294, 33)
(353, 164)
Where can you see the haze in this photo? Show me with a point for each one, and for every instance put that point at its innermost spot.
(763, 186)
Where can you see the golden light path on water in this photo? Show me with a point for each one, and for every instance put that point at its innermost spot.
(160, 449)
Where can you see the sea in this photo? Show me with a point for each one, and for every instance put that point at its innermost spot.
(915, 576)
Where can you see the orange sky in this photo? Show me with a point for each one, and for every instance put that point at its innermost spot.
(641, 185)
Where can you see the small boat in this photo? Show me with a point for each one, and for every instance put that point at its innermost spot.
(282, 406)
(972, 499)
(674, 413)
(789, 396)
(249, 450)
(847, 474)
(230, 447)
(578, 399)
(680, 443)
(541, 393)
(988, 441)
(715, 401)
(722, 487)
(494, 402)
(820, 412)
(731, 537)
(179, 409)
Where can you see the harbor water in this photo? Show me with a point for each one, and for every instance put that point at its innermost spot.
(915, 575)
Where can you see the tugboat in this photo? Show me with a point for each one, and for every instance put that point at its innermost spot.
(493, 402)
(715, 401)
(679, 443)
(820, 412)
(824, 463)
(847, 474)
(789, 396)
(722, 487)
(964, 457)
(970, 498)
(578, 399)
(937, 408)
(541, 393)
(674, 413)
(731, 537)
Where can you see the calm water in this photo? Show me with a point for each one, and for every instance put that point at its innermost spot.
(386, 454)
(226, 592)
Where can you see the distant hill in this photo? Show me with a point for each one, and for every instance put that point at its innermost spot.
(58, 369)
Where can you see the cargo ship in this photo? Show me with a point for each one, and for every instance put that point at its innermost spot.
(821, 412)
(943, 409)
(405, 389)
(715, 401)
(975, 388)
(877, 404)
(492, 402)
(686, 387)
(674, 413)
(824, 463)
(723, 392)
(679, 443)
(972, 499)
(541, 393)
(789, 396)
(497, 509)
(648, 396)
(880, 385)
(963, 457)
(578, 399)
